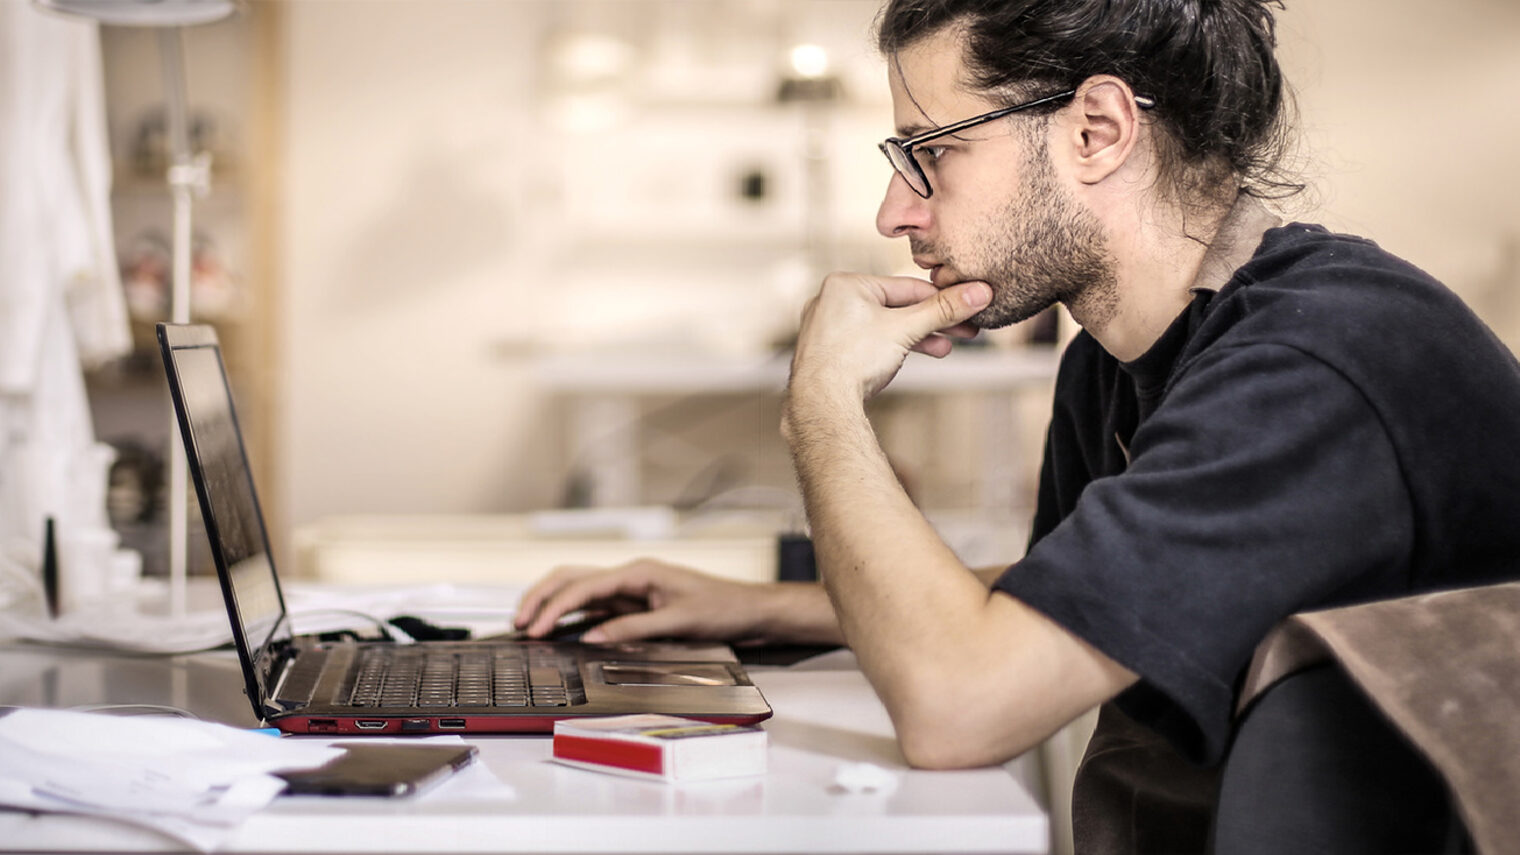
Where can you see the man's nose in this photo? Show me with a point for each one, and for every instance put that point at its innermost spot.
(902, 210)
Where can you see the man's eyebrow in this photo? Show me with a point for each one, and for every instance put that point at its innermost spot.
(905, 131)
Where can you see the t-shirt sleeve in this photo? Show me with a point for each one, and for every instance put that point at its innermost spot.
(1264, 484)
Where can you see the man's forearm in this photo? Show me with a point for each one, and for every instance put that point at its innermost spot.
(899, 592)
(969, 677)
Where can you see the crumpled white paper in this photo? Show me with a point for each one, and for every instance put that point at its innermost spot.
(193, 780)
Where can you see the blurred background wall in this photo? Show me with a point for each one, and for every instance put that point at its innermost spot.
(417, 200)
(471, 184)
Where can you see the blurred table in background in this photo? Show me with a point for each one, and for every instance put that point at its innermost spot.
(519, 548)
(603, 389)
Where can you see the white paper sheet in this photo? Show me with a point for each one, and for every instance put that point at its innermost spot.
(192, 780)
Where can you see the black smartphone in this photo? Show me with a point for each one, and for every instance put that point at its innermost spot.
(379, 769)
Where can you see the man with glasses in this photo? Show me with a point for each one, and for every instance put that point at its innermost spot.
(1256, 419)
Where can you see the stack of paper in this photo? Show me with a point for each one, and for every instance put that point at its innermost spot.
(192, 780)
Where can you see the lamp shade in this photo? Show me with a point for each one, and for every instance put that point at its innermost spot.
(145, 13)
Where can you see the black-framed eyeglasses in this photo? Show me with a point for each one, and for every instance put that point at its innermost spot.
(900, 152)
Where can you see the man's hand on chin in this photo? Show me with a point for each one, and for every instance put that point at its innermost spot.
(858, 329)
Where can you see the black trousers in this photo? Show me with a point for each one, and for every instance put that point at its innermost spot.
(1315, 768)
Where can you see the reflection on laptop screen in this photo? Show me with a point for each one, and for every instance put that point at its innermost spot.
(234, 507)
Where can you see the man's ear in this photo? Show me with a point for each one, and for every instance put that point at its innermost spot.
(1104, 128)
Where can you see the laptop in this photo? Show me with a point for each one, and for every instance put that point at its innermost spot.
(303, 684)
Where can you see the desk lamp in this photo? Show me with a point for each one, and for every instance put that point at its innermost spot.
(188, 175)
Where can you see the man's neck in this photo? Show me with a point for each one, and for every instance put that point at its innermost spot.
(1161, 259)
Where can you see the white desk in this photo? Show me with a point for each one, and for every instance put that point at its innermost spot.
(823, 718)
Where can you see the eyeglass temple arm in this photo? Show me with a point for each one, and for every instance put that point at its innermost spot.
(1144, 102)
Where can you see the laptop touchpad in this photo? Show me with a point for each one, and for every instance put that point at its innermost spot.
(666, 674)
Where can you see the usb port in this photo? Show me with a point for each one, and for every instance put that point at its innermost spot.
(322, 725)
(369, 723)
(451, 724)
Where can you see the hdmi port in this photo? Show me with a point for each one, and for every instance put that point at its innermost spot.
(369, 723)
(451, 724)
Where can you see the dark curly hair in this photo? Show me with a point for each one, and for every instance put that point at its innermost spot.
(1221, 101)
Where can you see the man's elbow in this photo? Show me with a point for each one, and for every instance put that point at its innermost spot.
(948, 750)
(945, 736)
(937, 753)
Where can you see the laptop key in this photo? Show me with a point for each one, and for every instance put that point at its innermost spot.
(402, 677)
(546, 677)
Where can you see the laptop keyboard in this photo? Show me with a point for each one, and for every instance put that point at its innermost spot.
(410, 676)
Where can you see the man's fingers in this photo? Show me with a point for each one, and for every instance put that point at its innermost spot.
(534, 598)
(963, 331)
(898, 291)
(580, 593)
(939, 344)
(935, 345)
(931, 309)
(957, 303)
(637, 626)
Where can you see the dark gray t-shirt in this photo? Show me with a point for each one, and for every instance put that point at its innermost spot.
(1332, 426)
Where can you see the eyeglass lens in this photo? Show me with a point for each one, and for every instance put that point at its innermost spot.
(907, 167)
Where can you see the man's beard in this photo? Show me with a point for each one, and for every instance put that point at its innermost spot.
(1048, 250)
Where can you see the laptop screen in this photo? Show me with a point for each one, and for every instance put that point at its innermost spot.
(224, 483)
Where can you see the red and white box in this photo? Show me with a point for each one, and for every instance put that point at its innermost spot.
(661, 747)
